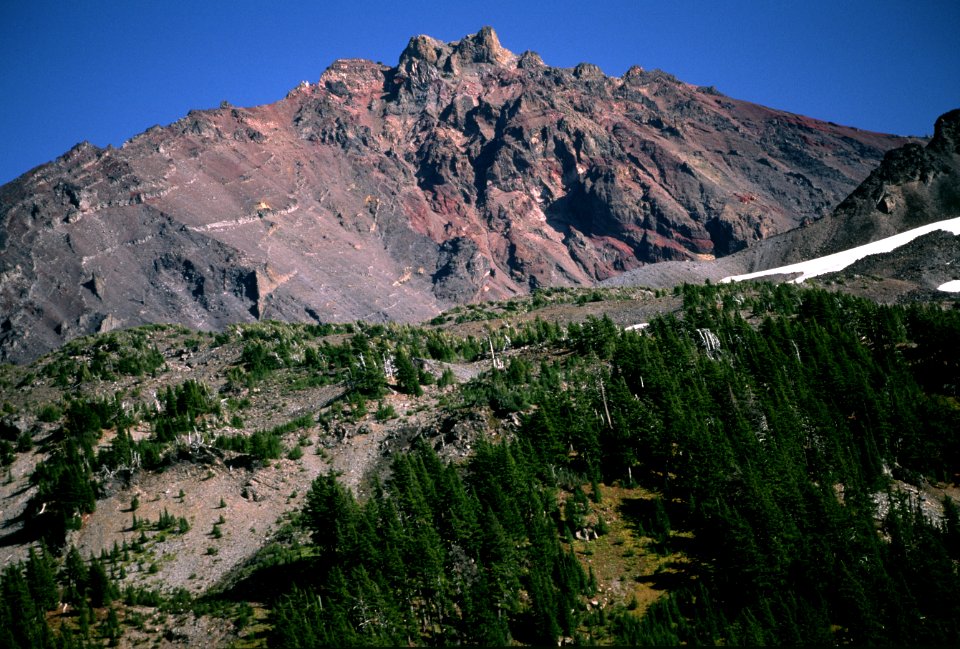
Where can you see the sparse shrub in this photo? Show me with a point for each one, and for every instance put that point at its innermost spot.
(358, 406)
(24, 442)
(446, 378)
(601, 528)
(140, 597)
(50, 413)
(166, 520)
(385, 411)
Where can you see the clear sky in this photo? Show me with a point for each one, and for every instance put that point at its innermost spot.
(104, 71)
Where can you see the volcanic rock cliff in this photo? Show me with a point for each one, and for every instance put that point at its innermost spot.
(913, 185)
(389, 193)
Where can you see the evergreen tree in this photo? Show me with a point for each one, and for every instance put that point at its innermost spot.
(111, 627)
(408, 378)
(74, 576)
(26, 620)
(331, 516)
(767, 454)
(41, 579)
(100, 589)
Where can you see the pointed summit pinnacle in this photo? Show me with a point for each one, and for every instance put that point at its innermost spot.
(482, 47)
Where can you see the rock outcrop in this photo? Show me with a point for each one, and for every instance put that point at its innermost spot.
(463, 173)
(912, 186)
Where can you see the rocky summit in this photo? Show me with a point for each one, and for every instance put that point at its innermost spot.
(465, 172)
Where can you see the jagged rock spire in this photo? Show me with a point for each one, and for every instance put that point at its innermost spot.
(482, 47)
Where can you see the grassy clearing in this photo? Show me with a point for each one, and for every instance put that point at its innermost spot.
(631, 567)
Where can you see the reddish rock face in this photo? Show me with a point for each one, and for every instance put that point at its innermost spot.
(466, 172)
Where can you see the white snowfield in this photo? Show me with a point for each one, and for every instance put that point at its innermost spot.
(840, 260)
(950, 287)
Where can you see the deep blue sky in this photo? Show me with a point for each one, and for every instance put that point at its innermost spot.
(104, 71)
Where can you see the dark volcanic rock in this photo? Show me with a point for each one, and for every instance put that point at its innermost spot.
(913, 185)
(926, 262)
(465, 172)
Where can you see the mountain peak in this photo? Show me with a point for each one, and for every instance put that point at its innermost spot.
(946, 132)
(465, 173)
(482, 47)
(423, 48)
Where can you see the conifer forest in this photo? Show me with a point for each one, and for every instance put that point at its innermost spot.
(752, 467)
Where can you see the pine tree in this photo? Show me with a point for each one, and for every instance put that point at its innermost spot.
(111, 627)
(29, 623)
(546, 629)
(41, 579)
(99, 587)
(408, 378)
(74, 576)
(330, 514)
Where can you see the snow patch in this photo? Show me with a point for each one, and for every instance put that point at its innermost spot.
(840, 260)
(950, 287)
(641, 326)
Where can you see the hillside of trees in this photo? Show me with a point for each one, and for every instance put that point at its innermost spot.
(774, 431)
(767, 424)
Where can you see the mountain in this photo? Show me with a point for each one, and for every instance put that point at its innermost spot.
(463, 173)
(913, 186)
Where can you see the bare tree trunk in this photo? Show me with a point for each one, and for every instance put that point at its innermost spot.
(603, 394)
